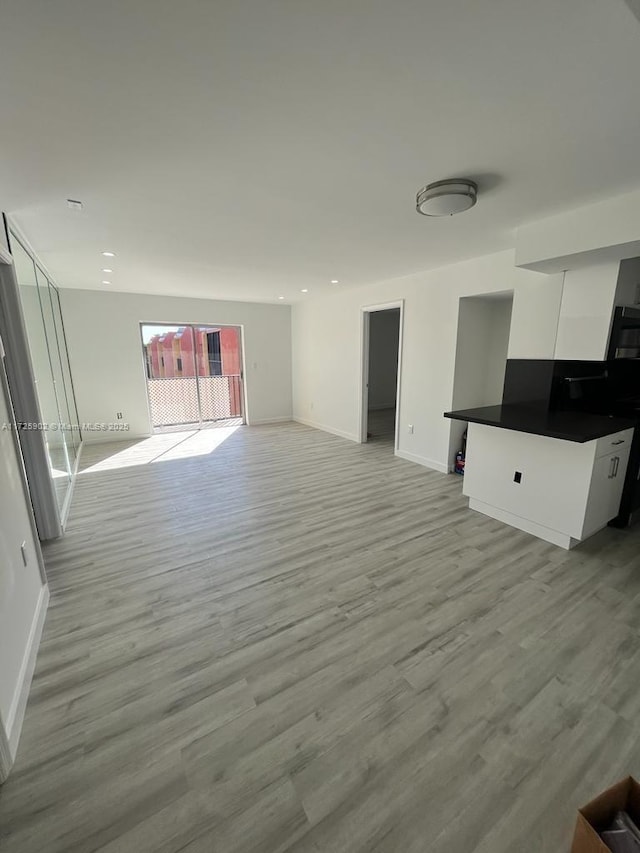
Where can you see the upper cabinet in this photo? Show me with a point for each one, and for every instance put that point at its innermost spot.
(589, 297)
(569, 317)
(534, 318)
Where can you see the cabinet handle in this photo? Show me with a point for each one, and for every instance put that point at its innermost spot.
(619, 441)
(615, 470)
(612, 468)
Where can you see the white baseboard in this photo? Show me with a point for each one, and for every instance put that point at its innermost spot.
(18, 706)
(348, 435)
(422, 460)
(284, 420)
(562, 540)
(105, 437)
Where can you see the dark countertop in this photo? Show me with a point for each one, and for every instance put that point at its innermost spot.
(569, 426)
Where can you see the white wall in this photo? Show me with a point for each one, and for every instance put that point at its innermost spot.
(481, 357)
(326, 380)
(106, 353)
(384, 332)
(23, 596)
(607, 230)
(499, 334)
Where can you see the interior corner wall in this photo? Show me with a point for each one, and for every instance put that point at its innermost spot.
(481, 357)
(327, 346)
(105, 349)
(500, 328)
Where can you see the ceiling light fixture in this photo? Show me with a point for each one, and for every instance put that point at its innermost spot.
(444, 198)
(109, 254)
(280, 297)
(305, 290)
(334, 281)
(106, 282)
(106, 270)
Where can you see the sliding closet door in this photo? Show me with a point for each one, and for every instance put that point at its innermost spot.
(63, 352)
(33, 291)
(43, 390)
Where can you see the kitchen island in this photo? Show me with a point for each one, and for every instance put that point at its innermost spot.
(557, 475)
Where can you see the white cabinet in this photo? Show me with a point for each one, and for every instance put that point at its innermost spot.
(605, 491)
(534, 318)
(589, 296)
(586, 312)
(561, 491)
(570, 319)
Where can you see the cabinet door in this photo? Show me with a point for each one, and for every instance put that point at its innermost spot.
(605, 491)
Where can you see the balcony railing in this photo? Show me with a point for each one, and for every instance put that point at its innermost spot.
(193, 400)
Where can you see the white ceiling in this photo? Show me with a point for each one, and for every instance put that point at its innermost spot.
(249, 149)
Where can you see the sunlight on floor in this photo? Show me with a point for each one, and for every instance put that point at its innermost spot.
(163, 448)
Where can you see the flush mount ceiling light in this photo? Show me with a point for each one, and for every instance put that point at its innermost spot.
(334, 281)
(109, 254)
(444, 198)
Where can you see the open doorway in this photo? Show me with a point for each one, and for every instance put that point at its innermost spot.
(194, 375)
(382, 346)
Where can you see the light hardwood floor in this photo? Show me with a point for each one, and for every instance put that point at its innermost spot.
(289, 642)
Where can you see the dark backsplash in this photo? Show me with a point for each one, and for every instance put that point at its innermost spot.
(590, 386)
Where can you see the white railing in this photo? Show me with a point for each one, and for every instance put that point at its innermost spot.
(190, 400)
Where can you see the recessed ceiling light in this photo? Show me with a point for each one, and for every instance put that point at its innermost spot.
(334, 281)
(280, 297)
(444, 198)
(106, 282)
(106, 270)
(305, 290)
(109, 254)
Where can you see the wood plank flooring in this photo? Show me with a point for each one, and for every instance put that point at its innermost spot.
(272, 640)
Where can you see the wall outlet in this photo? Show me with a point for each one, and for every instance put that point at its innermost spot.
(119, 415)
(517, 476)
(410, 429)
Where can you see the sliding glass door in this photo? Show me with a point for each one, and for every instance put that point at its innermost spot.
(194, 375)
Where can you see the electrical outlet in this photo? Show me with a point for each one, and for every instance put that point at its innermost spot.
(517, 476)
(410, 429)
(119, 415)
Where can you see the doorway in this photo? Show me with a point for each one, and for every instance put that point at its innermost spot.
(381, 357)
(194, 375)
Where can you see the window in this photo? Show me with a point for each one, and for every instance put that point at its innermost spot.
(215, 357)
(179, 364)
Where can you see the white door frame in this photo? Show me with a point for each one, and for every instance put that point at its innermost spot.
(365, 313)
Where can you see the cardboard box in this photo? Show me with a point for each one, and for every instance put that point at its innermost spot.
(597, 815)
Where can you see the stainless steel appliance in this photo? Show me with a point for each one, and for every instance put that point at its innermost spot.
(625, 334)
